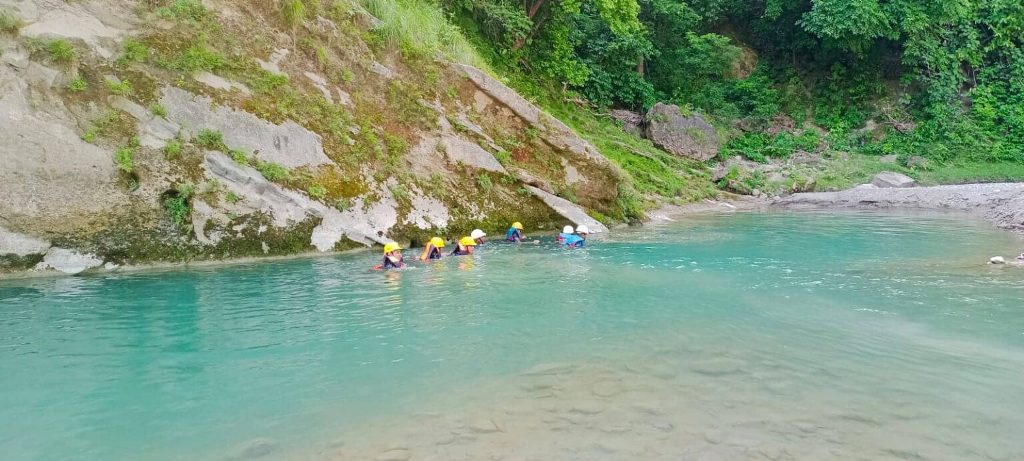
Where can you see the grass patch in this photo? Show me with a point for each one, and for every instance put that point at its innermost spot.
(273, 171)
(132, 51)
(77, 85)
(211, 140)
(61, 50)
(239, 156)
(178, 205)
(972, 172)
(421, 29)
(124, 157)
(113, 124)
(9, 22)
(172, 149)
(120, 88)
(197, 57)
(158, 109)
(185, 10)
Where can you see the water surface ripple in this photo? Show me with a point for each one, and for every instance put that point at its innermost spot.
(746, 336)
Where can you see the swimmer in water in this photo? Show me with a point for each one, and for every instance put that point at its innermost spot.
(433, 249)
(582, 231)
(515, 233)
(569, 238)
(465, 246)
(478, 236)
(392, 257)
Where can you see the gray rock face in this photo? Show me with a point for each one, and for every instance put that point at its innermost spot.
(13, 243)
(1002, 204)
(221, 83)
(552, 130)
(891, 179)
(74, 22)
(632, 122)
(288, 144)
(48, 175)
(569, 210)
(470, 153)
(68, 261)
(685, 136)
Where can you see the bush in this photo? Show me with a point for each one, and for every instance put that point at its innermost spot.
(420, 28)
(77, 85)
(484, 181)
(177, 204)
(61, 50)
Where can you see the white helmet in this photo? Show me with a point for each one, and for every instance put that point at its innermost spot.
(582, 229)
(567, 230)
(477, 233)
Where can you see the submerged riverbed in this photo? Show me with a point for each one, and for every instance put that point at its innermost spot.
(746, 336)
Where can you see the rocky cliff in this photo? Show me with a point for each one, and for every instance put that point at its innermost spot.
(170, 131)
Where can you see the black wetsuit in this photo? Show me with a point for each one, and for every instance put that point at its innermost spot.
(435, 253)
(459, 253)
(388, 264)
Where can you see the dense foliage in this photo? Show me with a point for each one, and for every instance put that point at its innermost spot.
(945, 78)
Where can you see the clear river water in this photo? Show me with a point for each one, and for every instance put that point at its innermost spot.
(776, 335)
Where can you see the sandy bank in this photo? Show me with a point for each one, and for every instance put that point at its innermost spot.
(1000, 203)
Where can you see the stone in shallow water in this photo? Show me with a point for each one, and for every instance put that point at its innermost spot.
(398, 454)
(255, 448)
(719, 367)
(483, 426)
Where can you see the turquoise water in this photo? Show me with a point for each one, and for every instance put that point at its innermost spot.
(802, 335)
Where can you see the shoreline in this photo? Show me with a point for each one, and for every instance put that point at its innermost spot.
(1002, 204)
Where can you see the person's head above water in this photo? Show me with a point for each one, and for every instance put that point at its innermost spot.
(392, 247)
(567, 230)
(467, 242)
(583, 230)
(477, 235)
(517, 225)
(438, 242)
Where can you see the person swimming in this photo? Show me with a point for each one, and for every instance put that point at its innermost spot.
(515, 233)
(569, 238)
(478, 236)
(465, 246)
(582, 231)
(433, 249)
(392, 257)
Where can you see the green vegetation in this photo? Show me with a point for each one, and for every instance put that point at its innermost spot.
(113, 124)
(77, 85)
(232, 197)
(185, 10)
(158, 109)
(61, 51)
(272, 171)
(239, 156)
(210, 139)
(124, 157)
(172, 149)
(132, 51)
(177, 204)
(9, 22)
(196, 58)
(420, 29)
(484, 182)
(120, 88)
(317, 191)
(940, 81)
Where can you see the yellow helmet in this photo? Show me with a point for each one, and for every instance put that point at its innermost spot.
(437, 242)
(467, 242)
(517, 225)
(391, 246)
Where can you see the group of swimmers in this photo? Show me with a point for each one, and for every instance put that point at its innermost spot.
(393, 259)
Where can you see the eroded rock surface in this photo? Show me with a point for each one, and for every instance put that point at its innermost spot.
(569, 210)
(683, 135)
(288, 144)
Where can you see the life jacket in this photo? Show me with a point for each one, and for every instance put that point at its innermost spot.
(514, 235)
(571, 240)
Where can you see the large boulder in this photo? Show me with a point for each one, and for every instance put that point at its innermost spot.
(684, 135)
(892, 179)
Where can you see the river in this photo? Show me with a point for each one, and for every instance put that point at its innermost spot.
(778, 335)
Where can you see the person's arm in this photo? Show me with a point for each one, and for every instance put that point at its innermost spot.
(426, 252)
